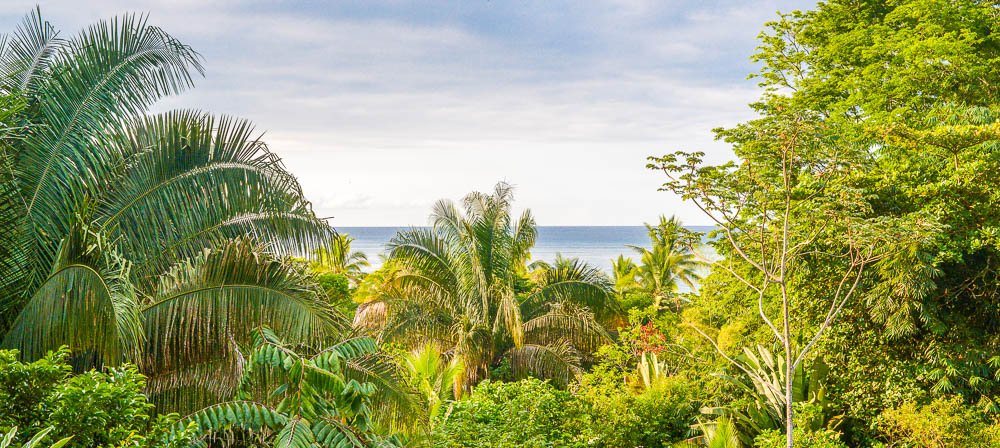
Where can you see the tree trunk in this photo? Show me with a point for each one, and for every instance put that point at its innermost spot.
(789, 411)
(789, 367)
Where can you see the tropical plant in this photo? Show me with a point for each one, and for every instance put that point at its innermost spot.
(720, 433)
(92, 408)
(651, 369)
(146, 238)
(338, 258)
(434, 377)
(290, 400)
(526, 413)
(943, 423)
(765, 382)
(668, 263)
(625, 276)
(457, 286)
(35, 441)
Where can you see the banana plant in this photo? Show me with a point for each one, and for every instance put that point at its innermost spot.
(294, 401)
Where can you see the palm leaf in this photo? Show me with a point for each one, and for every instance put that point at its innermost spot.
(219, 298)
(109, 72)
(87, 303)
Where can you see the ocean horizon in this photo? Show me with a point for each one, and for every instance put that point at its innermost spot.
(596, 245)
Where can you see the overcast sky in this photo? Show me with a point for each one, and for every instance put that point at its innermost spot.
(381, 108)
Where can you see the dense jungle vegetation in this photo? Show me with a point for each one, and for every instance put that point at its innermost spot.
(165, 283)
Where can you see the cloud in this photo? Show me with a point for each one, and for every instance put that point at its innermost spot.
(380, 108)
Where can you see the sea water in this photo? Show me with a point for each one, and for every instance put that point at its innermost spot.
(596, 245)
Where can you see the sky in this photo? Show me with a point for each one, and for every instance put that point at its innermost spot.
(380, 108)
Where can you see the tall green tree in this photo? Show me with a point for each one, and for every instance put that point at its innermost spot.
(886, 112)
(787, 211)
(911, 87)
(154, 239)
(458, 285)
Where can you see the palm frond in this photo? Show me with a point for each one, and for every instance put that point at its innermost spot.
(206, 303)
(87, 302)
(26, 55)
(557, 362)
(179, 161)
(110, 72)
(574, 326)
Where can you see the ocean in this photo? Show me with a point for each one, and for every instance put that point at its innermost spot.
(596, 245)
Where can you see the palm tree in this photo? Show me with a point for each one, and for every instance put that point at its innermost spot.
(457, 288)
(338, 258)
(669, 262)
(155, 239)
(625, 275)
(435, 377)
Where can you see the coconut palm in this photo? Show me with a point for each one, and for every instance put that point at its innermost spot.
(625, 275)
(669, 262)
(457, 287)
(155, 239)
(338, 258)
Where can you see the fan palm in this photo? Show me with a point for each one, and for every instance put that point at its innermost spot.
(669, 262)
(338, 258)
(457, 287)
(155, 239)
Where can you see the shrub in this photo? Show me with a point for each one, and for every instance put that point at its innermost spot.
(943, 423)
(824, 438)
(338, 290)
(95, 408)
(526, 413)
(655, 417)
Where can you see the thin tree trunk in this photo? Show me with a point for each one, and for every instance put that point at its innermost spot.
(789, 411)
(789, 377)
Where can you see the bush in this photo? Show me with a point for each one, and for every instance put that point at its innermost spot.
(526, 413)
(338, 290)
(655, 417)
(944, 423)
(95, 408)
(824, 438)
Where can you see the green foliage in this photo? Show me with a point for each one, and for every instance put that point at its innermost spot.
(823, 438)
(35, 440)
(338, 258)
(766, 410)
(668, 264)
(91, 409)
(943, 423)
(435, 377)
(528, 413)
(461, 284)
(658, 416)
(156, 240)
(289, 400)
(338, 290)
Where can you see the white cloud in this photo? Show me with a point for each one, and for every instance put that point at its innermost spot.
(382, 113)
